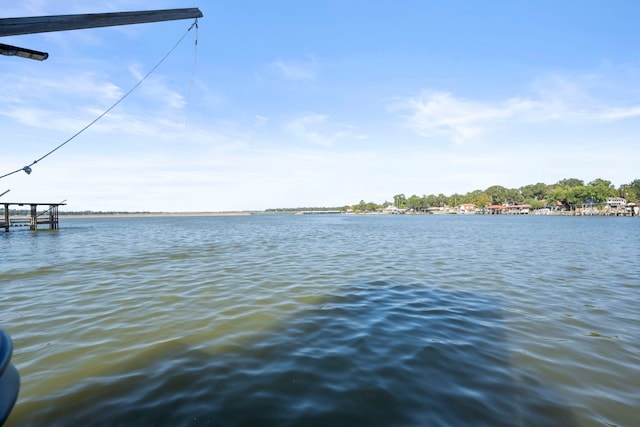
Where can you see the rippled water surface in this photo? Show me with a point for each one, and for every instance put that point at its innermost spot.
(328, 320)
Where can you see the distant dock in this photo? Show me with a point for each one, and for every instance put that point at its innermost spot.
(47, 217)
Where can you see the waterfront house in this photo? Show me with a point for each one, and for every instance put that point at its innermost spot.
(467, 208)
(392, 210)
(615, 206)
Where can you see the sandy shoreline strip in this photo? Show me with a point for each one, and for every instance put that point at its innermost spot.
(150, 214)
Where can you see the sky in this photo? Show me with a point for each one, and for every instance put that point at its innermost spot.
(319, 103)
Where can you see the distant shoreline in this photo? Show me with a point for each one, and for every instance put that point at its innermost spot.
(151, 214)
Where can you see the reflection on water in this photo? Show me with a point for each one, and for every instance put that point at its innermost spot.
(375, 354)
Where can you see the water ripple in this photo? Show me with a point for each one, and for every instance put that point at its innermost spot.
(389, 321)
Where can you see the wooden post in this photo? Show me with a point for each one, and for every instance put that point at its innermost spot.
(6, 217)
(53, 217)
(33, 225)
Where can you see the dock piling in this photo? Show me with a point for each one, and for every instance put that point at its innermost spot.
(34, 218)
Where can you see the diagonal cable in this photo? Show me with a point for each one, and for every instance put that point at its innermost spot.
(27, 168)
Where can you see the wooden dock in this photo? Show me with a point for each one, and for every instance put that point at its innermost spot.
(47, 217)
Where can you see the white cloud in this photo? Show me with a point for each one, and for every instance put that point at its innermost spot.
(295, 70)
(554, 99)
(156, 90)
(28, 88)
(56, 102)
(440, 113)
(69, 102)
(260, 120)
(316, 129)
(620, 113)
(307, 128)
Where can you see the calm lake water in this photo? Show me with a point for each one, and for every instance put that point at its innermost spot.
(325, 320)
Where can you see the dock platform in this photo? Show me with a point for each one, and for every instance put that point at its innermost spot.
(47, 217)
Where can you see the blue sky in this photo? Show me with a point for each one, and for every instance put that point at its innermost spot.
(321, 103)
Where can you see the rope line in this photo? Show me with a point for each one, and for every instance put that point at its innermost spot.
(195, 60)
(27, 168)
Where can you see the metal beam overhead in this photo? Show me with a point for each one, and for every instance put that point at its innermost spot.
(44, 24)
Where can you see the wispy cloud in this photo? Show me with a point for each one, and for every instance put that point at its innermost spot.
(30, 88)
(555, 99)
(317, 129)
(612, 114)
(260, 120)
(295, 69)
(69, 102)
(308, 127)
(155, 87)
(56, 102)
(440, 113)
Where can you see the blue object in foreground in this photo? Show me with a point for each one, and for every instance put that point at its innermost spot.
(9, 378)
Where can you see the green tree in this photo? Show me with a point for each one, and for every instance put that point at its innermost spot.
(571, 182)
(413, 202)
(600, 183)
(578, 195)
(635, 185)
(628, 192)
(497, 194)
(514, 196)
(371, 207)
(472, 196)
(455, 199)
(599, 189)
(478, 198)
(535, 204)
(399, 201)
(482, 200)
(568, 192)
(431, 201)
(534, 191)
(424, 203)
(558, 193)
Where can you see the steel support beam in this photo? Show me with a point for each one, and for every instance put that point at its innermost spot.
(44, 24)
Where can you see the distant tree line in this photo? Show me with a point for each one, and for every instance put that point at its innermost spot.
(309, 209)
(568, 193)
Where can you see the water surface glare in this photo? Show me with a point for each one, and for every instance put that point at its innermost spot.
(328, 320)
